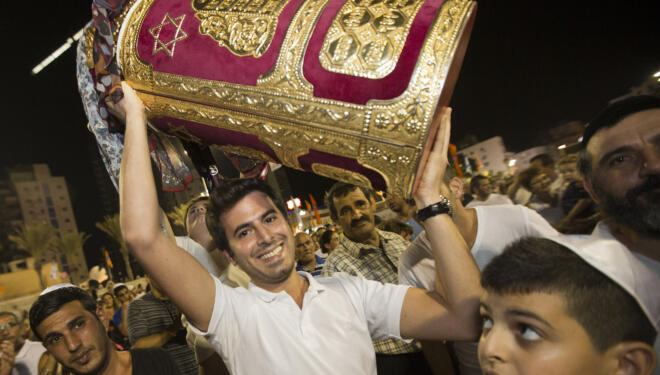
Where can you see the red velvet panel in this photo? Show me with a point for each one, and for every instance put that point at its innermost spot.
(213, 135)
(360, 90)
(349, 164)
(199, 55)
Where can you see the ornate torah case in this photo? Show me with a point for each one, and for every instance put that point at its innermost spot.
(344, 89)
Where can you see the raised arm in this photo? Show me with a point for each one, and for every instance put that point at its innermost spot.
(182, 278)
(425, 314)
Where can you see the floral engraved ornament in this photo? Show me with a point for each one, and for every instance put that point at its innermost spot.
(246, 28)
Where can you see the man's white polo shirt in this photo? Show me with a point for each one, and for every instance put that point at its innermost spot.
(258, 332)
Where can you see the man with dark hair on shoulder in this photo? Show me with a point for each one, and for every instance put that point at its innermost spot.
(18, 356)
(289, 322)
(365, 251)
(72, 328)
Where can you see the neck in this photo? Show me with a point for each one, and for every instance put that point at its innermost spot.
(482, 197)
(117, 362)
(294, 285)
(373, 239)
(635, 241)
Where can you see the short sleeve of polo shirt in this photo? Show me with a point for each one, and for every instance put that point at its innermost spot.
(380, 304)
(225, 309)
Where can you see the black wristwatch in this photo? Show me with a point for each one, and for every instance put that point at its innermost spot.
(442, 207)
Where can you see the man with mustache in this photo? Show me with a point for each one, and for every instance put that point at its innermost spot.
(371, 253)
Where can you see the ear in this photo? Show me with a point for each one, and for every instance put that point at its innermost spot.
(590, 189)
(633, 358)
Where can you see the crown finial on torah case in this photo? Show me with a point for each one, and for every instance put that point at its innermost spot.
(345, 89)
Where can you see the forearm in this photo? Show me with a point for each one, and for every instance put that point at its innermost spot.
(153, 341)
(466, 222)
(139, 214)
(456, 271)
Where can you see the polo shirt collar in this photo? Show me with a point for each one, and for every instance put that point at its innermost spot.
(314, 289)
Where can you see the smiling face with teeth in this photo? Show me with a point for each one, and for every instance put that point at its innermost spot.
(260, 239)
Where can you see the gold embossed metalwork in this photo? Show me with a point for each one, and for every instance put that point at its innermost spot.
(367, 36)
(244, 27)
(179, 34)
(341, 174)
(287, 76)
(246, 151)
(387, 136)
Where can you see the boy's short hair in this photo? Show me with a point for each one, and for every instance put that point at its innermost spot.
(606, 311)
(51, 302)
(568, 159)
(342, 189)
(225, 196)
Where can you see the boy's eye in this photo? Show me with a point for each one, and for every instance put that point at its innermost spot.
(528, 333)
(243, 233)
(486, 323)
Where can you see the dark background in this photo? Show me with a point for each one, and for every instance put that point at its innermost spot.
(530, 65)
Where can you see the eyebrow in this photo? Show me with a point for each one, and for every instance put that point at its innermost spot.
(608, 155)
(527, 314)
(245, 225)
(69, 325)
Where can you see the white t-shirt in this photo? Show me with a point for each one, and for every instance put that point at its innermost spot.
(26, 361)
(492, 200)
(258, 332)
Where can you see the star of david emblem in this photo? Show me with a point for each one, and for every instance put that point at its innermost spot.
(179, 34)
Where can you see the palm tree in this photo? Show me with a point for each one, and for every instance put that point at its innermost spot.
(110, 225)
(69, 244)
(178, 215)
(37, 239)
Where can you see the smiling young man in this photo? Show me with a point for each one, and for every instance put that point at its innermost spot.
(73, 330)
(289, 322)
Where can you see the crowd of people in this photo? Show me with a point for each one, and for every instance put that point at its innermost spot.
(465, 277)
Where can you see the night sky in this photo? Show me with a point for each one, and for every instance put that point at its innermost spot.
(530, 65)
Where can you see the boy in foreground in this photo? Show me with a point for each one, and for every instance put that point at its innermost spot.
(547, 311)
